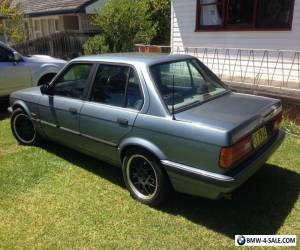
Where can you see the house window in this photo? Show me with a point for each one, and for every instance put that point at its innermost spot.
(26, 30)
(53, 25)
(244, 15)
(37, 28)
(56, 24)
(71, 22)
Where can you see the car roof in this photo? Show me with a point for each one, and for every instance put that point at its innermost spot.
(132, 58)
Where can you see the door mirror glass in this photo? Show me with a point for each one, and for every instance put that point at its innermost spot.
(45, 89)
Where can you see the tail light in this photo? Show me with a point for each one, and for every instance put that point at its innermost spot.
(277, 122)
(230, 155)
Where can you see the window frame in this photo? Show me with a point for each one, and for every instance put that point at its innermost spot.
(232, 27)
(66, 69)
(92, 84)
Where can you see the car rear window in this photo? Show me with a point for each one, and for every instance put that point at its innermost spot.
(192, 83)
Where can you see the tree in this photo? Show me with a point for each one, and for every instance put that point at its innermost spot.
(125, 22)
(14, 26)
(95, 45)
(160, 12)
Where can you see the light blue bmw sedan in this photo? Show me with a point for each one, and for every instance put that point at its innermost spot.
(167, 120)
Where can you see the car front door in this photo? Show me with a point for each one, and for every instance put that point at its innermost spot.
(14, 75)
(115, 100)
(59, 110)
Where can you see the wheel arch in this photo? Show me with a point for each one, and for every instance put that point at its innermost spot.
(22, 105)
(44, 70)
(142, 144)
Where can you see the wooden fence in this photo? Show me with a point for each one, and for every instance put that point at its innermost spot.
(66, 45)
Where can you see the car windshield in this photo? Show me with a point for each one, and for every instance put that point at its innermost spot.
(193, 83)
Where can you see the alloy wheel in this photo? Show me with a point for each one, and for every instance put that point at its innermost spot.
(141, 177)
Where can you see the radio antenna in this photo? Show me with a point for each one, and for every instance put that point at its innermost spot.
(173, 98)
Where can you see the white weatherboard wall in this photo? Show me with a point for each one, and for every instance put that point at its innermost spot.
(183, 32)
(269, 58)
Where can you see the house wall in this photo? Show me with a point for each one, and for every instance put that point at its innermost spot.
(184, 35)
(258, 58)
(42, 26)
(77, 22)
(71, 22)
(85, 23)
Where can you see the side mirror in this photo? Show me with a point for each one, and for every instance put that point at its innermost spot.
(17, 57)
(45, 89)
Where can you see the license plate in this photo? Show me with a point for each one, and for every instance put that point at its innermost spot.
(259, 137)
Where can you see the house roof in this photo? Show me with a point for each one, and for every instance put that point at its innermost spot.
(42, 7)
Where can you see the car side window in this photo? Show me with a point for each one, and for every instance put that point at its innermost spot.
(117, 86)
(134, 96)
(4, 55)
(73, 82)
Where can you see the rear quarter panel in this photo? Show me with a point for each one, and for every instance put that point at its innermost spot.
(181, 142)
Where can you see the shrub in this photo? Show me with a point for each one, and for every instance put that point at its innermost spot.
(126, 22)
(14, 18)
(95, 45)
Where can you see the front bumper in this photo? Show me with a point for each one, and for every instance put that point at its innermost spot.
(202, 183)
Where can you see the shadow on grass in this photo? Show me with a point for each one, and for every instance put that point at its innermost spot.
(3, 109)
(260, 206)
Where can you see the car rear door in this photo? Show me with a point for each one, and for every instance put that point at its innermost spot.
(115, 100)
(14, 75)
(59, 111)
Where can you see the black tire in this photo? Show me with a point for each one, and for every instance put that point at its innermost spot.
(23, 128)
(145, 178)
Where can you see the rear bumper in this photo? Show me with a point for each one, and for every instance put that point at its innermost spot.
(198, 182)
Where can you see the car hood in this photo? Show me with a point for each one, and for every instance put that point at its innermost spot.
(44, 59)
(234, 113)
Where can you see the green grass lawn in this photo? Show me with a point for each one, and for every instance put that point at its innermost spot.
(53, 197)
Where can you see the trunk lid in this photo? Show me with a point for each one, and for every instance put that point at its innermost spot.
(237, 114)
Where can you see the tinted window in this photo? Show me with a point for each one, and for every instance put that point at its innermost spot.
(240, 12)
(190, 85)
(117, 86)
(72, 82)
(273, 13)
(244, 14)
(134, 97)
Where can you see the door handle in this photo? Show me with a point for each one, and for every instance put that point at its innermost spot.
(122, 121)
(73, 110)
